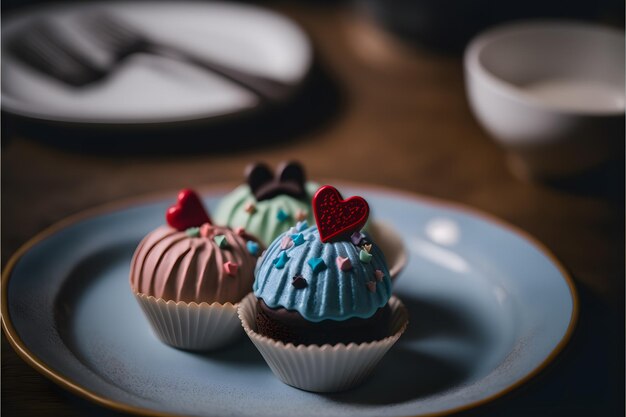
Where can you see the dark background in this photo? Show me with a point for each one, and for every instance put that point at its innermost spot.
(385, 105)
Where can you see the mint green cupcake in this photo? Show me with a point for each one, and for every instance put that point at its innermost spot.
(268, 204)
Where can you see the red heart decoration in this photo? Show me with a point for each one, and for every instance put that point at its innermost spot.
(337, 218)
(187, 212)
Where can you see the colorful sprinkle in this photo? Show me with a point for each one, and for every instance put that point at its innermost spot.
(302, 225)
(356, 238)
(344, 264)
(205, 230)
(299, 282)
(282, 215)
(250, 208)
(286, 243)
(316, 264)
(298, 239)
(367, 247)
(365, 257)
(371, 285)
(253, 247)
(379, 275)
(193, 232)
(231, 268)
(221, 241)
(280, 262)
(301, 215)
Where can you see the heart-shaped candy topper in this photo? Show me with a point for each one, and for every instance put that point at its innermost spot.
(337, 218)
(187, 212)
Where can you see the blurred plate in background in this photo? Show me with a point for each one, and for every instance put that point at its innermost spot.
(147, 89)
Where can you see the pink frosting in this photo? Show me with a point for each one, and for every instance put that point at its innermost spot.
(169, 264)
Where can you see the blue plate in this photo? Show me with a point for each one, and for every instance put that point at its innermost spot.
(489, 306)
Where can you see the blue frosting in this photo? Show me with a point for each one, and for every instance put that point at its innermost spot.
(331, 293)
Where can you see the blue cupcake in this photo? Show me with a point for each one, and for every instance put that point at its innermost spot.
(321, 312)
(311, 292)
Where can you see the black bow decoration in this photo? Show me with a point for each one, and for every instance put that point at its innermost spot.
(289, 179)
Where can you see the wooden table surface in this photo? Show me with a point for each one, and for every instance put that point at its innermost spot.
(400, 119)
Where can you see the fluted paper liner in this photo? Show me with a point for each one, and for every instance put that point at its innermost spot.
(191, 326)
(326, 368)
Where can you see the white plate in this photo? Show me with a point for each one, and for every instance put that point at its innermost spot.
(149, 89)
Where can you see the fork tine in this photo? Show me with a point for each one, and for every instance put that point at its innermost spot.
(44, 49)
(32, 55)
(50, 41)
(78, 63)
(32, 45)
(38, 50)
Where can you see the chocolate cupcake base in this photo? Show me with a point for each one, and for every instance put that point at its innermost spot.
(290, 327)
(322, 368)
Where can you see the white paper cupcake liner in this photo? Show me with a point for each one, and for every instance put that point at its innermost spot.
(326, 368)
(192, 326)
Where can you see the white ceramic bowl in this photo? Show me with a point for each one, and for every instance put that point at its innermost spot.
(550, 92)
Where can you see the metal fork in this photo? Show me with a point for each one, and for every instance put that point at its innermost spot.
(43, 47)
(121, 40)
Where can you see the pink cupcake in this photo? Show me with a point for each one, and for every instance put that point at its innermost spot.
(189, 275)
